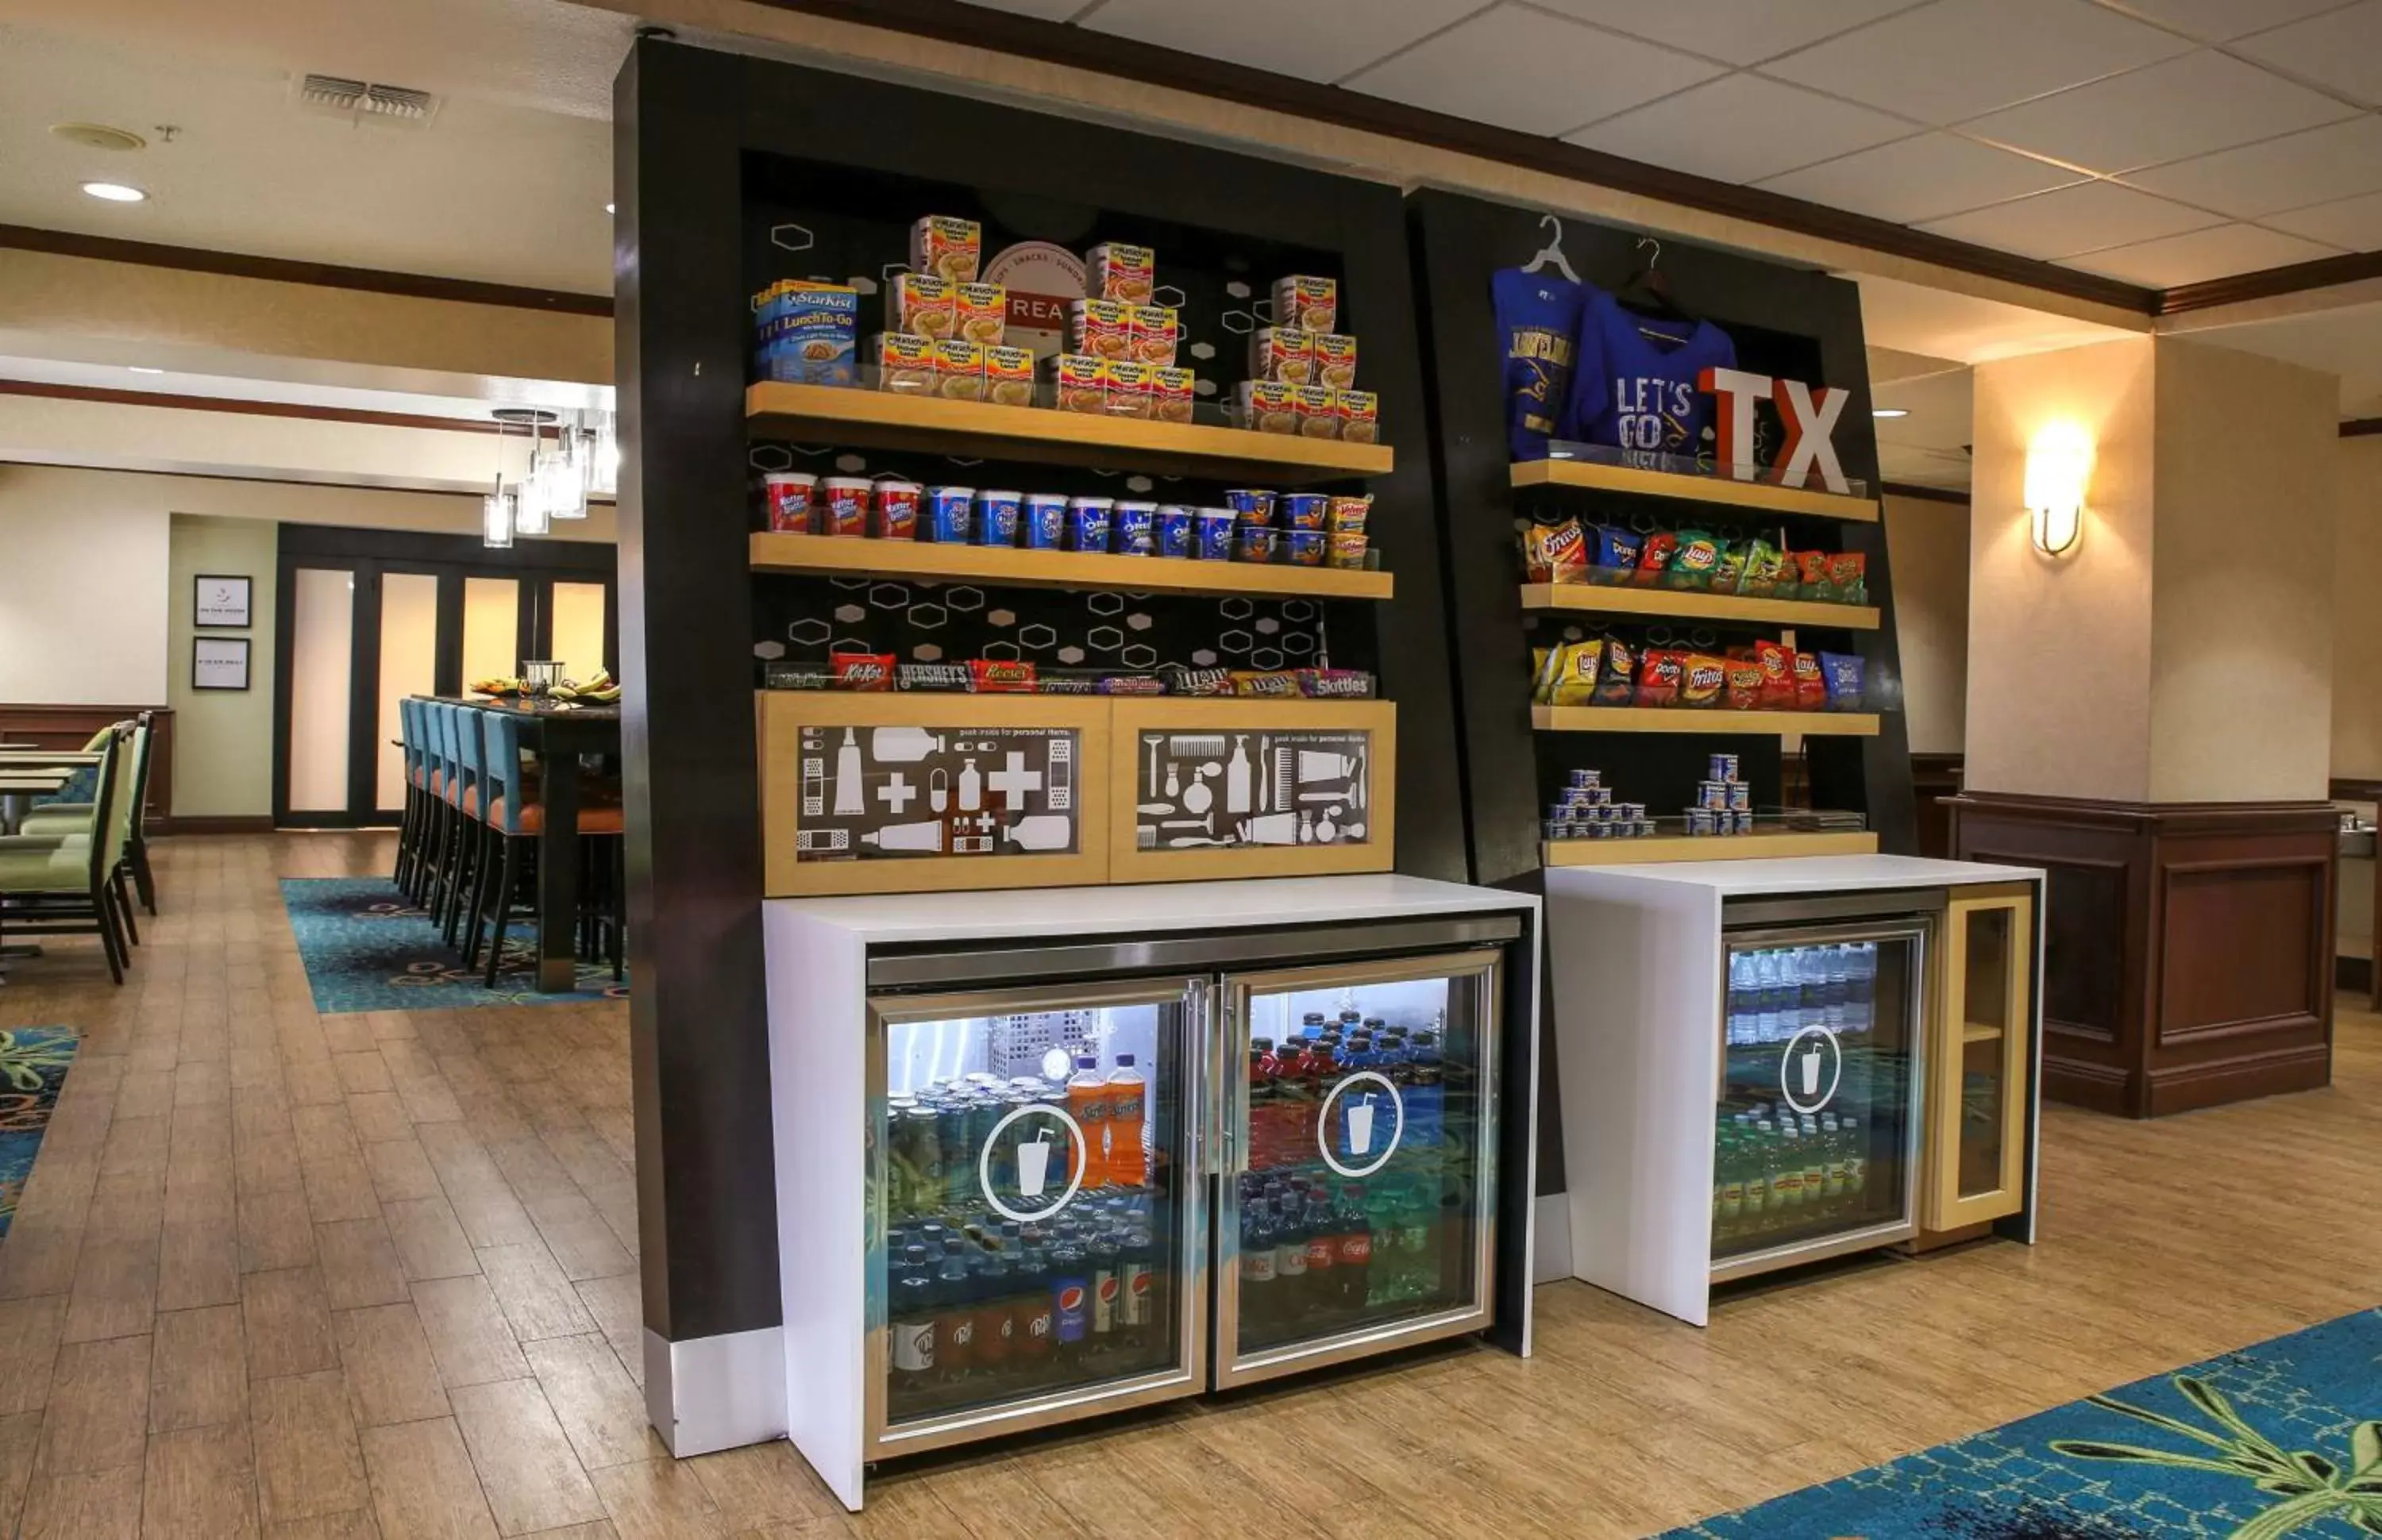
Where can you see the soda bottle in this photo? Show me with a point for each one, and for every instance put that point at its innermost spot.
(1034, 1337)
(912, 1310)
(1261, 1092)
(1258, 1304)
(1320, 1312)
(1088, 1100)
(1351, 1259)
(1289, 1230)
(1426, 1101)
(995, 1335)
(1135, 1299)
(954, 1314)
(1128, 1094)
(1815, 1170)
(1071, 1301)
(1108, 1281)
(1787, 1176)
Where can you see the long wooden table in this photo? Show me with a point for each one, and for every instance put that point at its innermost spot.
(558, 734)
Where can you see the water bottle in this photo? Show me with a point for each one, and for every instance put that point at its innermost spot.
(1741, 1010)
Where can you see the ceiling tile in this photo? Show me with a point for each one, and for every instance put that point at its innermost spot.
(1522, 69)
(2200, 256)
(2353, 223)
(2183, 107)
(1956, 58)
(1741, 127)
(1049, 10)
(2337, 161)
(2221, 20)
(1315, 39)
(2073, 219)
(1921, 178)
(2340, 49)
(1742, 31)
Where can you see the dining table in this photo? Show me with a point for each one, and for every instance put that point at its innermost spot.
(18, 787)
(559, 733)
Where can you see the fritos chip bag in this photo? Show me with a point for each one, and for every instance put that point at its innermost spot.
(1555, 552)
(1703, 680)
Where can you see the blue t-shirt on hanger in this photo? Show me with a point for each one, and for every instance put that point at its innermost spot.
(1634, 384)
(1538, 325)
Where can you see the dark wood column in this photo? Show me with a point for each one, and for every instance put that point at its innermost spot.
(2189, 953)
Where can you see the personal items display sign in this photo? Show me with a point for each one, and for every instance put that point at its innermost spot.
(941, 789)
(1209, 791)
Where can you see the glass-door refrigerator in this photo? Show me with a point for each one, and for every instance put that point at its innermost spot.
(1817, 1142)
(1037, 1219)
(1357, 1157)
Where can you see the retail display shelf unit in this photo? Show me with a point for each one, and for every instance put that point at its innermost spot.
(881, 420)
(1735, 847)
(1696, 722)
(1758, 497)
(836, 557)
(1688, 605)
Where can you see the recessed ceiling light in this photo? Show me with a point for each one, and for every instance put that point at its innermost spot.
(607, 208)
(143, 369)
(1888, 411)
(116, 193)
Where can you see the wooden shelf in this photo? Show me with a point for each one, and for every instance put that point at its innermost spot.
(1699, 720)
(881, 420)
(1007, 568)
(1979, 1031)
(1733, 846)
(1765, 496)
(1688, 605)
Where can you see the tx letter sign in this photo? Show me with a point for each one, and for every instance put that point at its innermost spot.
(1811, 416)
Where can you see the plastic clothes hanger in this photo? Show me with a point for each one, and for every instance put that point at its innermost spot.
(1553, 251)
(1647, 294)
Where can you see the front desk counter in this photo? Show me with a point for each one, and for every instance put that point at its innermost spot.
(1764, 1063)
(1045, 1155)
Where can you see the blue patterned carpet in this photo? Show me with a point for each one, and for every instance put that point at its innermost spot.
(33, 1063)
(367, 949)
(2276, 1439)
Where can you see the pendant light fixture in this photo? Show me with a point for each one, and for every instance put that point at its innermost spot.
(497, 507)
(534, 498)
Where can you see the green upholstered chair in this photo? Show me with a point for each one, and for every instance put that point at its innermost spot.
(70, 883)
(62, 818)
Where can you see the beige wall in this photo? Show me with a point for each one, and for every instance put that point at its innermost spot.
(2060, 652)
(2357, 612)
(1927, 542)
(82, 592)
(2242, 614)
(222, 739)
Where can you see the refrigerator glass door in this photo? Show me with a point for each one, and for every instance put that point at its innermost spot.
(1816, 1145)
(1355, 1209)
(1038, 1227)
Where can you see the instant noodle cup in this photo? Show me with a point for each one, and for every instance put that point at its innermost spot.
(1335, 360)
(792, 498)
(1102, 328)
(1175, 534)
(1257, 542)
(893, 507)
(844, 503)
(924, 306)
(905, 363)
(1347, 515)
(980, 313)
(1009, 376)
(1042, 518)
(948, 510)
(1316, 409)
(1361, 416)
(1087, 523)
(1121, 272)
(1079, 382)
(1306, 547)
(959, 369)
(1170, 393)
(1310, 304)
(1132, 390)
(1251, 506)
(1134, 529)
(1265, 407)
(1212, 531)
(1152, 331)
(942, 247)
(997, 516)
(1304, 510)
(1283, 354)
(1346, 549)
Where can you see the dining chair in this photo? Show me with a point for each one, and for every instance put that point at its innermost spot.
(56, 818)
(71, 884)
(515, 820)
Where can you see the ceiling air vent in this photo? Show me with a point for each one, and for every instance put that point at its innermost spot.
(338, 96)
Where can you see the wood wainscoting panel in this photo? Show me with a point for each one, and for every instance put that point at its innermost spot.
(2188, 947)
(71, 727)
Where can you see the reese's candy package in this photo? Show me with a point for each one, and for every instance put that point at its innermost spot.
(1841, 673)
(1848, 570)
(1811, 683)
(1555, 552)
(864, 671)
(1658, 670)
(1001, 676)
(1571, 675)
(1703, 680)
(1694, 561)
(1744, 690)
(1616, 676)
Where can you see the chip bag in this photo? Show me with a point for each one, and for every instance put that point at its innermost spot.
(1811, 683)
(1848, 570)
(1703, 679)
(1744, 688)
(1777, 666)
(1654, 556)
(1841, 673)
(1764, 566)
(1728, 573)
(1571, 675)
(1817, 584)
(1659, 671)
(1693, 562)
(1555, 552)
(1616, 678)
(1618, 548)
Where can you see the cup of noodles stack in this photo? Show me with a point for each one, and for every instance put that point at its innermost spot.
(1120, 345)
(944, 332)
(1303, 370)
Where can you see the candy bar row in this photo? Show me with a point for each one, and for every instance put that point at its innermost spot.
(878, 672)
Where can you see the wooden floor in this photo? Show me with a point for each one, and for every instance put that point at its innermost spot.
(347, 1276)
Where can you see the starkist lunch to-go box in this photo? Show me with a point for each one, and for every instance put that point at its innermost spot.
(807, 333)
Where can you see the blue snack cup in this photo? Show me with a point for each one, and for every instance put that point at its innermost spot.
(1258, 543)
(1304, 510)
(996, 518)
(1306, 547)
(1214, 534)
(1045, 520)
(1251, 507)
(1087, 523)
(947, 509)
(1174, 536)
(1136, 526)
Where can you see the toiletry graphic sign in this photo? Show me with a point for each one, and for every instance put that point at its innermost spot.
(902, 793)
(1198, 791)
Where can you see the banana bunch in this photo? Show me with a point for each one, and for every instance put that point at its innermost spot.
(599, 690)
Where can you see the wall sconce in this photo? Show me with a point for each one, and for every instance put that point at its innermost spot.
(2058, 464)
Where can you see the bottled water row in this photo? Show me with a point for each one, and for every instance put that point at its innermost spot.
(1775, 992)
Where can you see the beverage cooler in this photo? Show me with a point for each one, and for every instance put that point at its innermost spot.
(1768, 1063)
(1102, 1175)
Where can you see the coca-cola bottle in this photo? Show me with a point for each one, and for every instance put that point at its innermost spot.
(1323, 1305)
(1352, 1241)
(1257, 1307)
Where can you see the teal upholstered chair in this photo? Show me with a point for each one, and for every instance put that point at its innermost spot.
(514, 818)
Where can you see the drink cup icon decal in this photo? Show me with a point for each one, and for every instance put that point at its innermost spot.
(1033, 1165)
(1810, 1071)
(1810, 1067)
(1360, 1125)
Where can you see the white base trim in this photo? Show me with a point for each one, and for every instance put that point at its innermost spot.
(711, 1393)
(1552, 1216)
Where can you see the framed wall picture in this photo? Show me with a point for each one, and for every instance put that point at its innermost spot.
(219, 663)
(220, 601)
